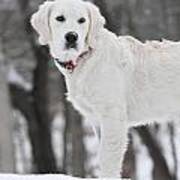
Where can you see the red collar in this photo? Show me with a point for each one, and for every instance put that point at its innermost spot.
(69, 65)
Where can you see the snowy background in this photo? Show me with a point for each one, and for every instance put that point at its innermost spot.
(40, 131)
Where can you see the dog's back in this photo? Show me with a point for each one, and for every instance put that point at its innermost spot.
(154, 88)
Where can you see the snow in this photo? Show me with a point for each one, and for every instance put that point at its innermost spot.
(39, 177)
(57, 137)
(22, 145)
(144, 163)
(34, 177)
(163, 138)
(13, 77)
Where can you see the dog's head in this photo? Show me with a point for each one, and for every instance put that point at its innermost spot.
(69, 27)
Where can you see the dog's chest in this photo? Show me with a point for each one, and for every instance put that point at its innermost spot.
(95, 91)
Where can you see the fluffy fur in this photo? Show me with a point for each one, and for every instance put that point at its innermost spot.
(121, 83)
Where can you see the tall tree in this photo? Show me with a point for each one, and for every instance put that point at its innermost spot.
(40, 125)
(7, 163)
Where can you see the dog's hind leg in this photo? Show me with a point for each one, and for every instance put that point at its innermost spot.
(113, 145)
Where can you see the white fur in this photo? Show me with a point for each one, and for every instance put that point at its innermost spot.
(122, 83)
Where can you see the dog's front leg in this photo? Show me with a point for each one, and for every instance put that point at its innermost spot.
(113, 144)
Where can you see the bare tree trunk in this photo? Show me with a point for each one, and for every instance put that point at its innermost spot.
(45, 155)
(161, 170)
(175, 159)
(129, 162)
(74, 159)
(78, 153)
(40, 128)
(6, 131)
(110, 15)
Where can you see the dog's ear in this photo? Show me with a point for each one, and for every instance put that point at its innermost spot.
(40, 22)
(97, 22)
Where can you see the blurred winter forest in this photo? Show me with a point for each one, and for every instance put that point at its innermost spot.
(40, 131)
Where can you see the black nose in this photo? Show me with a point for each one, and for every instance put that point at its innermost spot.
(71, 37)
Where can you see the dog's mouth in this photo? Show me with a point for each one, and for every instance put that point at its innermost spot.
(69, 65)
(72, 64)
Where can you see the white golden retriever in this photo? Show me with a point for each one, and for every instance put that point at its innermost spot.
(115, 81)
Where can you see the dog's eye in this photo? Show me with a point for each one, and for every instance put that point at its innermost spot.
(61, 18)
(82, 20)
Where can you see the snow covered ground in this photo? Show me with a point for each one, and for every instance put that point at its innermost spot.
(35, 177)
(40, 177)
